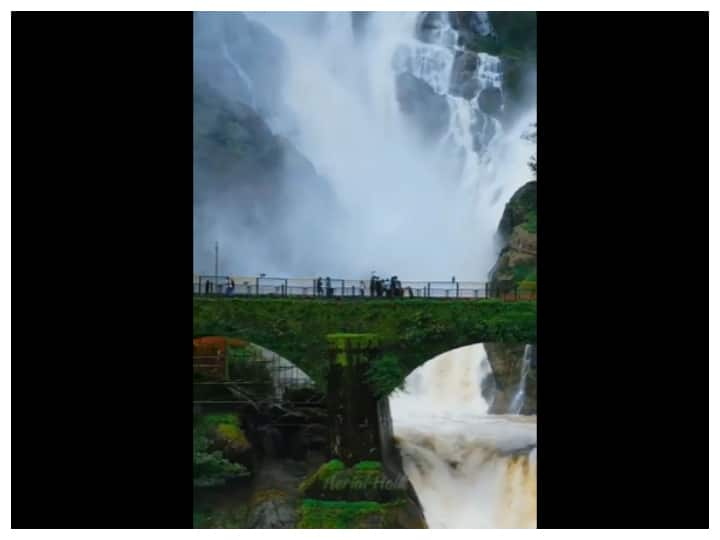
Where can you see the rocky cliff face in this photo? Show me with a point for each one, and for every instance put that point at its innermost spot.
(517, 236)
(506, 360)
(245, 173)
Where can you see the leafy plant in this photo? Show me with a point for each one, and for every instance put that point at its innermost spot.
(211, 468)
(385, 375)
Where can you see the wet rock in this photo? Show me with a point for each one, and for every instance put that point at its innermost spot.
(272, 442)
(429, 110)
(463, 81)
(490, 100)
(272, 509)
(429, 25)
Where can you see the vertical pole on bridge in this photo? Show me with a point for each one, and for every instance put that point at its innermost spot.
(217, 249)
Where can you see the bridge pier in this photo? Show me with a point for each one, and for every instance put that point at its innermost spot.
(355, 426)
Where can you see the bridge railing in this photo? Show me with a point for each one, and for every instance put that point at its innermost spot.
(354, 288)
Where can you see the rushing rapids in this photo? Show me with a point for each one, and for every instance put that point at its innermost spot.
(469, 469)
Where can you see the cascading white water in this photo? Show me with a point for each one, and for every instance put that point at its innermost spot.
(469, 469)
(519, 398)
(408, 203)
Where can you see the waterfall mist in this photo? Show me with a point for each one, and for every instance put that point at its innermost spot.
(400, 170)
(470, 469)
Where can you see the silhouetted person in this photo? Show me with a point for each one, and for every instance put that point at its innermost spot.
(207, 287)
(362, 288)
(328, 286)
(318, 286)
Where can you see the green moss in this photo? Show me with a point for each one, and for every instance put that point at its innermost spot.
(385, 375)
(365, 481)
(316, 514)
(525, 272)
(368, 466)
(325, 471)
(530, 224)
(346, 342)
(211, 421)
(233, 435)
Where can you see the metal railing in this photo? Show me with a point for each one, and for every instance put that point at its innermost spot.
(354, 288)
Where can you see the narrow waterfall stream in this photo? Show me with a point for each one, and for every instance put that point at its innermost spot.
(469, 468)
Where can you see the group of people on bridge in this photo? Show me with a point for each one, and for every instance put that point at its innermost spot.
(390, 288)
(229, 287)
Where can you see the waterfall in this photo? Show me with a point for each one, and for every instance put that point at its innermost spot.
(469, 469)
(424, 172)
(519, 399)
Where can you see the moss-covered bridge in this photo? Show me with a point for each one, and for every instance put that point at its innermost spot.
(411, 330)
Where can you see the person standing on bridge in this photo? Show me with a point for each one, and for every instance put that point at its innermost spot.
(328, 286)
(230, 288)
(318, 286)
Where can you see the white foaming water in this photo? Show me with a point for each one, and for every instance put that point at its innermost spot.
(408, 203)
(469, 469)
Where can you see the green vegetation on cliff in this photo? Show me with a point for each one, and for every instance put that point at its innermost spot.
(517, 263)
(414, 330)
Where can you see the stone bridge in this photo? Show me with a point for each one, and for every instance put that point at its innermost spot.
(410, 330)
(359, 352)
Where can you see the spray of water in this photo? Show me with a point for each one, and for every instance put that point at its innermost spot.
(418, 186)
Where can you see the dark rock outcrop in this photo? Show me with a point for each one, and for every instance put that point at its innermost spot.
(463, 81)
(490, 100)
(429, 110)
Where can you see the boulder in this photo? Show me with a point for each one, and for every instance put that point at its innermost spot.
(490, 100)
